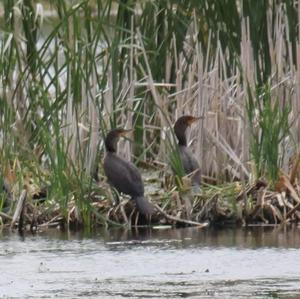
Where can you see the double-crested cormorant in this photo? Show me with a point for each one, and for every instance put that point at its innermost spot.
(123, 175)
(188, 160)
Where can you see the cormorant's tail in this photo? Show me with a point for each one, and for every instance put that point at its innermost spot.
(143, 205)
(196, 177)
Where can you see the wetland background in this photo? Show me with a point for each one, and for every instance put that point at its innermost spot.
(71, 70)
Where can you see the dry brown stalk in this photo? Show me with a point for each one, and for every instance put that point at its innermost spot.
(295, 169)
(260, 202)
(54, 221)
(287, 184)
(176, 219)
(205, 206)
(19, 208)
(293, 210)
(4, 215)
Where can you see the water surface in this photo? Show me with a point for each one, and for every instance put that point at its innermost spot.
(172, 263)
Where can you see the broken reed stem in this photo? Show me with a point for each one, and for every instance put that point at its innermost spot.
(173, 218)
(4, 215)
(295, 208)
(19, 208)
(295, 168)
(206, 204)
(56, 219)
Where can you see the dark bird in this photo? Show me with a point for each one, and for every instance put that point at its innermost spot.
(188, 160)
(123, 175)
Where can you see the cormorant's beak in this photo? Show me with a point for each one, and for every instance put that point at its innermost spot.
(125, 133)
(194, 119)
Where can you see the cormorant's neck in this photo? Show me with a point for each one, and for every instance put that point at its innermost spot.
(182, 139)
(180, 134)
(111, 143)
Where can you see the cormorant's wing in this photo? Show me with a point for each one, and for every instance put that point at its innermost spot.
(123, 175)
(190, 163)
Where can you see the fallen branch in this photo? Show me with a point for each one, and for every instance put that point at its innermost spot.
(3, 215)
(293, 210)
(55, 219)
(170, 217)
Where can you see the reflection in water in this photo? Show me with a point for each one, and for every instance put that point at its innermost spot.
(211, 263)
(253, 237)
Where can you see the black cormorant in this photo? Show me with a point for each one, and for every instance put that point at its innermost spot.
(188, 160)
(123, 175)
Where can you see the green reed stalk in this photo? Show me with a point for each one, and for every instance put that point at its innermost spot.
(269, 125)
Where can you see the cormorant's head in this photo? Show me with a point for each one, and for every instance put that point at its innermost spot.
(184, 121)
(113, 136)
(119, 132)
(187, 120)
(181, 125)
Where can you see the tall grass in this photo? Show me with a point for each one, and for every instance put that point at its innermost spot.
(68, 77)
(269, 126)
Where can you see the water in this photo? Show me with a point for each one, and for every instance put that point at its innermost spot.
(173, 263)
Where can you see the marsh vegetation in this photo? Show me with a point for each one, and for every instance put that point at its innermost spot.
(141, 64)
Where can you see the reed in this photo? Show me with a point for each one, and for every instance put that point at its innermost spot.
(71, 70)
(269, 126)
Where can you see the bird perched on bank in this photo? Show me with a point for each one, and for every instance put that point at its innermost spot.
(188, 160)
(123, 175)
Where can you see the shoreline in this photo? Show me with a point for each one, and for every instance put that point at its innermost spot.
(232, 205)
